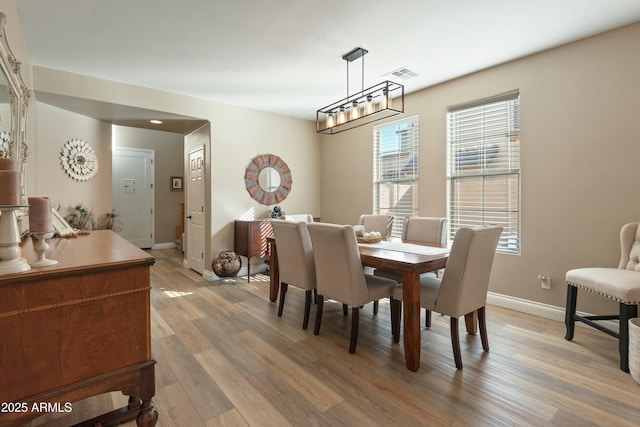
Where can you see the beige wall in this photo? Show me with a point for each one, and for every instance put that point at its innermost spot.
(54, 128)
(233, 138)
(168, 148)
(580, 157)
(579, 154)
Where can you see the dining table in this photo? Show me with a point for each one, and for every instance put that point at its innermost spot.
(406, 258)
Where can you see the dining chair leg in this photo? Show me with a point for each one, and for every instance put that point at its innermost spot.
(283, 292)
(307, 308)
(427, 318)
(345, 309)
(455, 342)
(482, 324)
(375, 307)
(320, 302)
(355, 320)
(315, 296)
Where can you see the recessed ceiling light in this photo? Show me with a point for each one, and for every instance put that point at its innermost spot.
(156, 122)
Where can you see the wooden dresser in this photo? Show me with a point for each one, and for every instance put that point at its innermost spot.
(250, 239)
(77, 329)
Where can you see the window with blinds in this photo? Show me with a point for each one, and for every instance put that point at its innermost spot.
(483, 167)
(395, 171)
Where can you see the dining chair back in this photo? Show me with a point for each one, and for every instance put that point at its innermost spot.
(425, 229)
(299, 217)
(295, 261)
(383, 224)
(420, 229)
(620, 284)
(340, 274)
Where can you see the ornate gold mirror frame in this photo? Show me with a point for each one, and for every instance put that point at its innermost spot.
(264, 188)
(14, 100)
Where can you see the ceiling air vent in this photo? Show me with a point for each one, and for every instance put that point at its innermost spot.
(403, 73)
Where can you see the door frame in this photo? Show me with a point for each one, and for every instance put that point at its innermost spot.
(152, 155)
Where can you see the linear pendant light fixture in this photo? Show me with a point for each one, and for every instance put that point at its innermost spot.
(378, 102)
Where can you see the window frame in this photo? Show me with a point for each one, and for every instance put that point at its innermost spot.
(483, 154)
(402, 177)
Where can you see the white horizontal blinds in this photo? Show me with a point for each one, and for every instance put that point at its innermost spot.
(395, 171)
(483, 167)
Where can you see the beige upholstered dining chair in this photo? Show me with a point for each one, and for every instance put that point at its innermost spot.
(463, 287)
(295, 262)
(383, 224)
(299, 217)
(340, 274)
(620, 284)
(420, 230)
(425, 229)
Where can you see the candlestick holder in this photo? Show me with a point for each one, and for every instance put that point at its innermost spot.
(11, 260)
(41, 246)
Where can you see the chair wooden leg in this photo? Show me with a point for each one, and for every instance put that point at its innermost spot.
(307, 309)
(627, 311)
(355, 320)
(320, 302)
(375, 307)
(345, 309)
(482, 324)
(455, 342)
(315, 296)
(570, 311)
(283, 292)
(427, 318)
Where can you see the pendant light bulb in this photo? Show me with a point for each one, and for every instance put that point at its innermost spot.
(368, 107)
(341, 116)
(355, 111)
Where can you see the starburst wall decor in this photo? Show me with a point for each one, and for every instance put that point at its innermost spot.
(79, 160)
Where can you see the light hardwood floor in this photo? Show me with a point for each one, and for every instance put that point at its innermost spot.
(226, 359)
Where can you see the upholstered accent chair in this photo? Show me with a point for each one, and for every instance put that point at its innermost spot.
(295, 261)
(420, 230)
(340, 275)
(620, 284)
(380, 223)
(463, 287)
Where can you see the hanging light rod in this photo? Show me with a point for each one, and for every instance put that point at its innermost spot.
(378, 102)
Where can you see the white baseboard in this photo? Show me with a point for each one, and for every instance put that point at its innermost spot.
(209, 275)
(526, 306)
(167, 245)
(538, 309)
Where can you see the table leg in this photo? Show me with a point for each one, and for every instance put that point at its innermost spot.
(274, 274)
(411, 310)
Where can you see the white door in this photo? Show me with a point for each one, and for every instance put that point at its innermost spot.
(195, 210)
(132, 194)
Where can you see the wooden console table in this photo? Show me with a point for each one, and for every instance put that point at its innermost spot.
(250, 239)
(77, 329)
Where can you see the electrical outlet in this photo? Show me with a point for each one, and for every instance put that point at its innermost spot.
(545, 281)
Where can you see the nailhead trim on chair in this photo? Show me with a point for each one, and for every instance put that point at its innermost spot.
(577, 285)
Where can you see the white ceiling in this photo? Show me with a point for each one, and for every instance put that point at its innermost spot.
(285, 56)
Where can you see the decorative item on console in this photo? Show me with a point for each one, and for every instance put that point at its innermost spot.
(276, 212)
